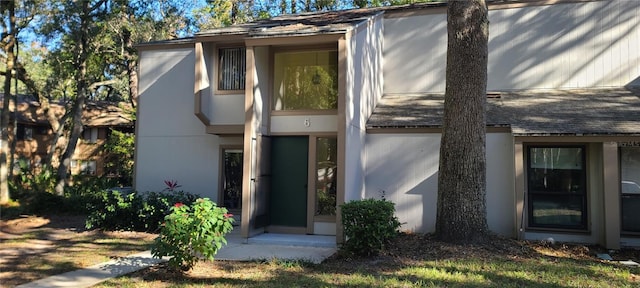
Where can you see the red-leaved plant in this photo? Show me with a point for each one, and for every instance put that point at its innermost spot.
(172, 185)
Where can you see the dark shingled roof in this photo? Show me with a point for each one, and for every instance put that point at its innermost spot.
(527, 113)
(300, 24)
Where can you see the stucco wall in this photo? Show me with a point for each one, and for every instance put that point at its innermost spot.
(171, 143)
(221, 108)
(571, 45)
(404, 168)
(364, 89)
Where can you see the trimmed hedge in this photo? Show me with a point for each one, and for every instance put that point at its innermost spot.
(368, 225)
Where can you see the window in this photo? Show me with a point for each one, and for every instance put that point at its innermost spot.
(326, 175)
(88, 167)
(231, 69)
(557, 195)
(305, 80)
(232, 179)
(630, 188)
(90, 135)
(24, 132)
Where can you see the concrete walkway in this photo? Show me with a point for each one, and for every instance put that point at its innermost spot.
(310, 248)
(93, 275)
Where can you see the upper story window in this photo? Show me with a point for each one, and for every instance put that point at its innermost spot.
(305, 80)
(90, 134)
(231, 68)
(24, 132)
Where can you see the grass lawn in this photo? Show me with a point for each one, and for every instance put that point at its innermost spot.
(414, 261)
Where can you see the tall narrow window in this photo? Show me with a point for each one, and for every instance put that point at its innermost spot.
(231, 69)
(306, 80)
(326, 175)
(630, 188)
(557, 187)
(232, 179)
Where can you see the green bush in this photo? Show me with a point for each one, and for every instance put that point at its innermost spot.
(189, 233)
(26, 183)
(34, 191)
(368, 225)
(133, 211)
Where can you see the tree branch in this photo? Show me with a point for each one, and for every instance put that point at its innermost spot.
(95, 85)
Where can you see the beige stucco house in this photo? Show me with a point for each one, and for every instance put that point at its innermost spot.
(280, 120)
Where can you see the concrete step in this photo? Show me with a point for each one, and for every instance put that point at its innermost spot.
(294, 240)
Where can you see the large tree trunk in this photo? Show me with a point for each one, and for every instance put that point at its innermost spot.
(78, 105)
(8, 43)
(461, 215)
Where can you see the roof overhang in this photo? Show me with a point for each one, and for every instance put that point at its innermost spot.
(535, 113)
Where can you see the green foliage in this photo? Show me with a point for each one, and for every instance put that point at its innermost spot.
(117, 210)
(368, 225)
(89, 185)
(28, 181)
(34, 190)
(192, 232)
(119, 161)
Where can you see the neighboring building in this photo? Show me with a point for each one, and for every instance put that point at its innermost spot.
(34, 135)
(304, 112)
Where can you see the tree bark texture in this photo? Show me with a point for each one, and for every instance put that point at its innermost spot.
(461, 214)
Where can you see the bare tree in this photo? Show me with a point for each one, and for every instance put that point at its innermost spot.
(461, 215)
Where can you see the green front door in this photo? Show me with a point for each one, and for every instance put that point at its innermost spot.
(289, 165)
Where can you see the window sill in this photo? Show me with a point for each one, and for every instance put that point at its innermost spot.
(303, 112)
(630, 234)
(557, 230)
(228, 92)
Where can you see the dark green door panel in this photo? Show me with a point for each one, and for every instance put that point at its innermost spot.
(289, 165)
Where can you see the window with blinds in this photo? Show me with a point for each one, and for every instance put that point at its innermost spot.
(231, 69)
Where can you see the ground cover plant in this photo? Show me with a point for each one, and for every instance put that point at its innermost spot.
(413, 260)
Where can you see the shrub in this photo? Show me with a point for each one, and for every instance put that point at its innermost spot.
(368, 225)
(192, 232)
(27, 182)
(116, 210)
(34, 191)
